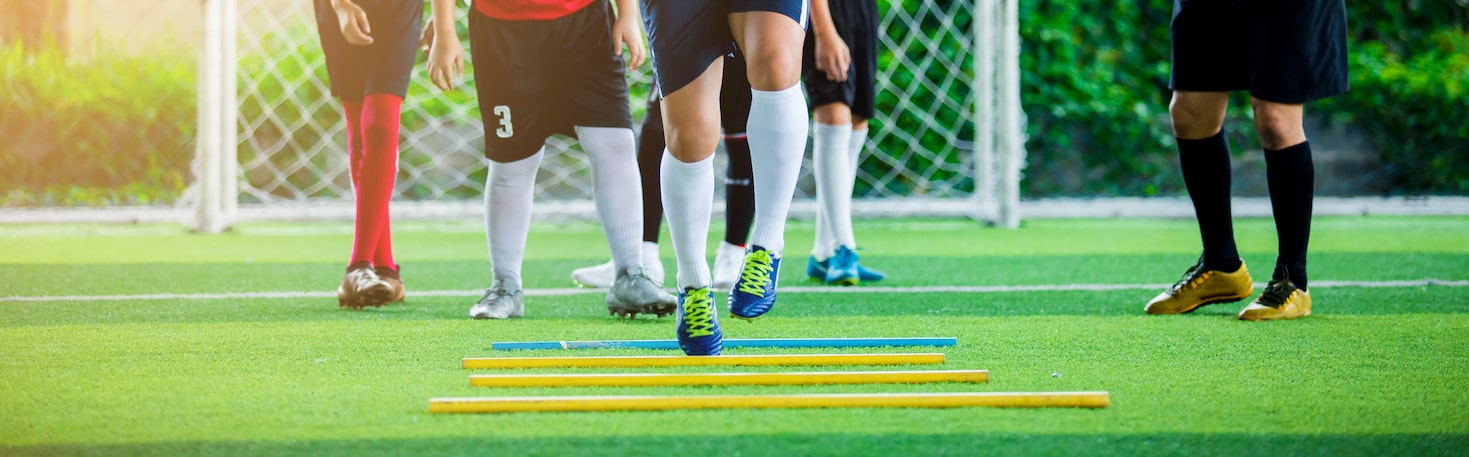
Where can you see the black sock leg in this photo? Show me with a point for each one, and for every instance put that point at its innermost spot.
(650, 154)
(1292, 178)
(739, 191)
(1205, 164)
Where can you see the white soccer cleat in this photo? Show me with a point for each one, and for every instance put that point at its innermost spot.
(596, 276)
(728, 261)
(499, 302)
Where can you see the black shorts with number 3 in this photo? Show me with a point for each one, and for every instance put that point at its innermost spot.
(539, 78)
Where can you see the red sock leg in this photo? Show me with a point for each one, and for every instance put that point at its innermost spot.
(352, 112)
(380, 113)
(383, 256)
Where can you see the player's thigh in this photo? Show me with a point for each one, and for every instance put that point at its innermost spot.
(685, 37)
(512, 86)
(1210, 43)
(691, 116)
(1300, 51)
(593, 83)
(346, 65)
(770, 33)
(396, 26)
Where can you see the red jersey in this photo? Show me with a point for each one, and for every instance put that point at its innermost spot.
(529, 10)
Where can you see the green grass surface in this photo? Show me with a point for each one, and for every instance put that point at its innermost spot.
(1380, 370)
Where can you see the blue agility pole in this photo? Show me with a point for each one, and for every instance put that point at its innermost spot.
(730, 343)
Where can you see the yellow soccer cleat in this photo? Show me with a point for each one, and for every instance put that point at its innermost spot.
(1281, 300)
(1200, 287)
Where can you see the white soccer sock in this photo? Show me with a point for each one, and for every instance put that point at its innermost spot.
(614, 178)
(777, 128)
(508, 195)
(854, 155)
(830, 159)
(688, 203)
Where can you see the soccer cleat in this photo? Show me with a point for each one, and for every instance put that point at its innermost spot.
(698, 322)
(727, 265)
(1281, 300)
(394, 278)
(841, 269)
(362, 287)
(596, 276)
(499, 302)
(635, 292)
(754, 292)
(816, 270)
(1200, 287)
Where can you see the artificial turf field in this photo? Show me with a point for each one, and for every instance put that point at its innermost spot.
(1381, 367)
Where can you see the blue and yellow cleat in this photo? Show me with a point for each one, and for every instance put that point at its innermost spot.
(754, 292)
(698, 322)
(816, 270)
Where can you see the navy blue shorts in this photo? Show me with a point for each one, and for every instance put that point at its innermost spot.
(685, 36)
(382, 67)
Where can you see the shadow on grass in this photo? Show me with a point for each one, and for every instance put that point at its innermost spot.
(814, 444)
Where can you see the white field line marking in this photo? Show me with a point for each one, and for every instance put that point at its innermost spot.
(796, 289)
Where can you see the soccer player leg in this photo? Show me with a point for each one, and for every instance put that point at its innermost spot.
(1299, 56)
(770, 34)
(1205, 70)
(739, 191)
(512, 90)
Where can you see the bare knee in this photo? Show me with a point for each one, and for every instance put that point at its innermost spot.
(692, 143)
(835, 113)
(774, 68)
(1197, 115)
(1278, 124)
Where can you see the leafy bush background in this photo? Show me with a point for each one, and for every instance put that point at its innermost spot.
(119, 129)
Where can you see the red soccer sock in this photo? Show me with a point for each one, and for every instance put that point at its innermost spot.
(379, 170)
(352, 113)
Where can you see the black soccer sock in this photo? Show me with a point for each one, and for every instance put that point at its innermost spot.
(651, 144)
(1292, 178)
(1205, 164)
(739, 191)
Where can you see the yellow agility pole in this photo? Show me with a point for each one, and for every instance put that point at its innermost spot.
(720, 360)
(870, 400)
(728, 379)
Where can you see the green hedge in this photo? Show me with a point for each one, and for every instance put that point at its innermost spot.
(106, 131)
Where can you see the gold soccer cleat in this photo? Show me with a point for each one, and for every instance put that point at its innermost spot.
(1281, 300)
(1200, 287)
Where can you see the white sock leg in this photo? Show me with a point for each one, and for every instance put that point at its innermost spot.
(615, 176)
(858, 142)
(831, 159)
(509, 192)
(688, 203)
(777, 128)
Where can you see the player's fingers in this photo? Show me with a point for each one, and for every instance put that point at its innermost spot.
(354, 34)
(459, 66)
(362, 21)
(636, 54)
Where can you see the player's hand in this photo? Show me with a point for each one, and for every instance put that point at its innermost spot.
(832, 56)
(353, 20)
(629, 31)
(445, 61)
(426, 40)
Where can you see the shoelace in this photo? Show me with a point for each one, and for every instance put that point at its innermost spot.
(495, 293)
(698, 314)
(1193, 276)
(756, 276)
(1276, 293)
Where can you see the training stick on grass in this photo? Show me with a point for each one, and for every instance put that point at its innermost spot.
(718, 360)
(729, 343)
(728, 379)
(870, 400)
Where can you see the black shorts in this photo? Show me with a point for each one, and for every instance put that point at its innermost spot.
(1284, 51)
(856, 23)
(539, 78)
(382, 67)
(685, 36)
